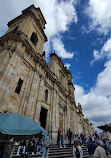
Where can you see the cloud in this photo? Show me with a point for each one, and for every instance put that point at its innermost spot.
(10, 10)
(100, 14)
(104, 52)
(58, 20)
(58, 46)
(97, 103)
(67, 65)
(96, 56)
(58, 14)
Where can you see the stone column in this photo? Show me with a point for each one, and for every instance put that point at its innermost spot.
(65, 122)
(33, 96)
(54, 131)
(28, 94)
(30, 100)
(39, 99)
(57, 112)
(50, 115)
(75, 120)
(68, 115)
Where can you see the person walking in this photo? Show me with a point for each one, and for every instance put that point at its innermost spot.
(100, 151)
(77, 150)
(45, 143)
(91, 147)
(107, 147)
(62, 142)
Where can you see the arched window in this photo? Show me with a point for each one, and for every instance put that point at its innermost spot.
(46, 95)
(34, 38)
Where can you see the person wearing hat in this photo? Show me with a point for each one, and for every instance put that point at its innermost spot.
(99, 152)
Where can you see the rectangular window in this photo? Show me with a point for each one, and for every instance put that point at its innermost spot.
(19, 86)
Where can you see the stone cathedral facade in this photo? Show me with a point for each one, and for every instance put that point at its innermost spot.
(31, 87)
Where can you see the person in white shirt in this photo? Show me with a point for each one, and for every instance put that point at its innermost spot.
(100, 151)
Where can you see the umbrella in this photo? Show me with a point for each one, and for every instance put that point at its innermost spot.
(16, 125)
(106, 127)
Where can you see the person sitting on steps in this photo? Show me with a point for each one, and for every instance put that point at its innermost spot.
(39, 146)
(22, 146)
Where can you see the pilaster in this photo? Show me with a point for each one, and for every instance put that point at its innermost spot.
(24, 99)
(5, 81)
(39, 99)
(68, 114)
(54, 128)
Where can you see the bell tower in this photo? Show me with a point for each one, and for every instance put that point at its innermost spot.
(21, 61)
(31, 23)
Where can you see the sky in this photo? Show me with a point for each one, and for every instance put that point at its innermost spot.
(79, 31)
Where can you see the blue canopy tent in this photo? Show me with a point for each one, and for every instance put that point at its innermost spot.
(19, 126)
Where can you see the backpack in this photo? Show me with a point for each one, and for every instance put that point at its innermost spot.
(77, 153)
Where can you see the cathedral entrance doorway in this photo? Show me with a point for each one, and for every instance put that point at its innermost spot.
(61, 122)
(43, 117)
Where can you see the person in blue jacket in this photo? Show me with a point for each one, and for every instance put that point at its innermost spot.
(91, 147)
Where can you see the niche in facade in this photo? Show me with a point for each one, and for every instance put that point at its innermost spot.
(34, 38)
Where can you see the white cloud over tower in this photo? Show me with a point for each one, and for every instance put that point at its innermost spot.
(58, 15)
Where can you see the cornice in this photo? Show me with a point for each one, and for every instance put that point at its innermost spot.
(35, 19)
(32, 6)
(80, 113)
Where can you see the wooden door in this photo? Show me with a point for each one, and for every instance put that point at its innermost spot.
(61, 122)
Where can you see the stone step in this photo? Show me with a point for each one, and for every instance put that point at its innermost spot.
(52, 156)
(58, 149)
(55, 156)
(55, 152)
(57, 146)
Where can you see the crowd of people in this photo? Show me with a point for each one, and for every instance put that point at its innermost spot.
(39, 147)
(98, 147)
